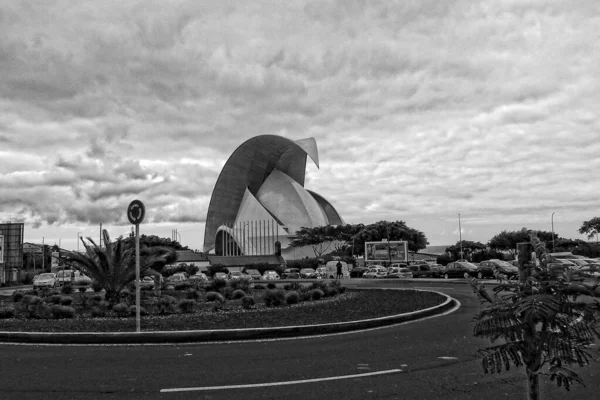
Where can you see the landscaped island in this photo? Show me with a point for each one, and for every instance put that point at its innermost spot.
(217, 305)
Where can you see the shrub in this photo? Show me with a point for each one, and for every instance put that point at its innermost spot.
(121, 309)
(216, 284)
(98, 312)
(240, 284)
(67, 289)
(297, 286)
(305, 295)
(131, 310)
(96, 286)
(321, 285)
(7, 312)
(187, 306)
(182, 285)
(54, 299)
(238, 294)
(274, 297)
(31, 299)
(316, 294)
(215, 296)
(39, 310)
(192, 294)
(62, 311)
(66, 300)
(104, 304)
(126, 296)
(330, 291)
(96, 299)
(166, 305)
(258, 286)
(17, 296)
(248, 302)
(292, 297)
(227, 292)
(271, 285)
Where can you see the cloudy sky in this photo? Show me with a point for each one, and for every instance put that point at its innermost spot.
(421, 110)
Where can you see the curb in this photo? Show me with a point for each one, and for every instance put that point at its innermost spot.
(221, 334)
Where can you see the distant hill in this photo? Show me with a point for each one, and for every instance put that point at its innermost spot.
(441, 249)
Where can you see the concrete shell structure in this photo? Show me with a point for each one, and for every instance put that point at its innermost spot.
(259, 198)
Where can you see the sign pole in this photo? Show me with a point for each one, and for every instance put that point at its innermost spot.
(137, 278)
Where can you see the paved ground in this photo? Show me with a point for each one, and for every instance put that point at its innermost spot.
(429, 359)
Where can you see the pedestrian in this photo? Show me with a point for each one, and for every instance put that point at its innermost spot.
(339, 270)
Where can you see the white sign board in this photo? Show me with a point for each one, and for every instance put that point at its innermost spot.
(394, 251)
(1, 249)
(55, 255)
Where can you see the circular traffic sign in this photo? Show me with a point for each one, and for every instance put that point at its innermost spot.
(136, 212)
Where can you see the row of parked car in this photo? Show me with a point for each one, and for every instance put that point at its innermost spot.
(56, 279)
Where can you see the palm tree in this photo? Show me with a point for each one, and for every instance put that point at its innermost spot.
(539, 322)
(113, 267)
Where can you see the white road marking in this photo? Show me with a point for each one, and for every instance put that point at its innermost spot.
(268, 384)
(448, 358)
(434, 287)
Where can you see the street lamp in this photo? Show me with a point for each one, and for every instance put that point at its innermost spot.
(78, 240)
(553, 232)
(460, 237)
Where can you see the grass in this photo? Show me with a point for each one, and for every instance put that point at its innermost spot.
(349, 306)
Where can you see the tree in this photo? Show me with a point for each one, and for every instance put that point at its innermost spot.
(318, 238)
(156, 241)
(468, 248)
(590, 228)
(539, 322)
(390, 230)
(507, 240)
(113, 266)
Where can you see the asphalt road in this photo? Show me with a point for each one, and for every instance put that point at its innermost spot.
(429, 359)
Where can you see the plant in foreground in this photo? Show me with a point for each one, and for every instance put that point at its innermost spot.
(539, 321)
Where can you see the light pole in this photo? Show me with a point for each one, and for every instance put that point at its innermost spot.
(78, 233)
(460, 237)
(552, 218)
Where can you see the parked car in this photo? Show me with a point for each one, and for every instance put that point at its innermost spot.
(423, 271)
(308, 273)
(399, 272)
(178, 277)
(239, 275)
(458, 269)
(331, 269)
(47, 279)
(590, 271)
(254, 274)
(199, 277)
(375, 272)
(147, 282)
(291, 273)
(221, 275)
(321, 272)
(486, 269)
(64, 276)
(80, 280)
(270, 276)
(358, 272)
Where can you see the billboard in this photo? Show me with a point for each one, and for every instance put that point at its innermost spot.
(394, 251)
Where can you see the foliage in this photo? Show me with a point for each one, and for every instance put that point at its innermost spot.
(292, 297)
(316, 294)
(166, 305)
(17, 296)
(241, 284)
(114, 266)
(192, 294)
(297, 286)
(227, 292)
(65, 300)
(215, 296)
(182, 285)
(507, 240)
(304, 263)
(187, 306)
(188, 269)
(155, 241)
(213, 269)
(238, 294)
(262, 267)
(96, 286)
(7, 312)
(330, 291)
(258, 286)
(590, 228)
(98, 312)
(468, 247)
(66, 289)
(216, 285)
(248, 302)
(121, 309)
(131, 310)
(539, 322)
(393, 231)
(274, 297)
(271, 285)
(62, 311)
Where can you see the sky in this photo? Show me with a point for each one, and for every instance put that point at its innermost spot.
(421, 110)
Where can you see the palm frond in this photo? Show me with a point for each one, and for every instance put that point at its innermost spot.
(497, 358)
(538, 306)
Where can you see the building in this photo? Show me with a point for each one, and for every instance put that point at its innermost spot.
(259, 200)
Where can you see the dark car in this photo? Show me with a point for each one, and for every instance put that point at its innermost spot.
(423, 271)
(486, 269)
(308, 273)
(254, 274)
(458, 269)
(291, 273)
(358, 272)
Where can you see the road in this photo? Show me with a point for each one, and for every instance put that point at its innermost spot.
(429, 359)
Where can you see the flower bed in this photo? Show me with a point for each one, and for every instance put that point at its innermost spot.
(203, 314)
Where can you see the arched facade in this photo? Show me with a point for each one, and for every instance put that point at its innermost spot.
(259, 198)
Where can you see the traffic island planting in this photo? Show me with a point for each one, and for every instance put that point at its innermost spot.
(193, 309)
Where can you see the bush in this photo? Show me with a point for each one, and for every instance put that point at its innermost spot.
(305, 295)
(192, 294)
(166, 305)
(121, 309)
(330, 291)
(126, 295)
(248, 302)
(17, 296)
(213, 269)
(240, 284)
(62, 311)
(66, 289)
(271, 285)
(98, 312)
(215, 296)
(297, 286)
(321, 285)
(316, 294)
(216, 284)
(238, 294)
(131, 310)
(54, 299)
(7, 312)
(182, 285)
(227, 292)
(96, 286)
(258, 286)
(274, 297)
(31, 299)
(66, 300)
(187, 306)
(292, 297)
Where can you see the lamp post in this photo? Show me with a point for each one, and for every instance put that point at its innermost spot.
(460, 237)
(552, 219)
(78, 233)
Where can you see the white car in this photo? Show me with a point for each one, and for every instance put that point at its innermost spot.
(178, 277)
(375, 272)
(270, 276)
(399, 272)
(238, 275)
(45, 280)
